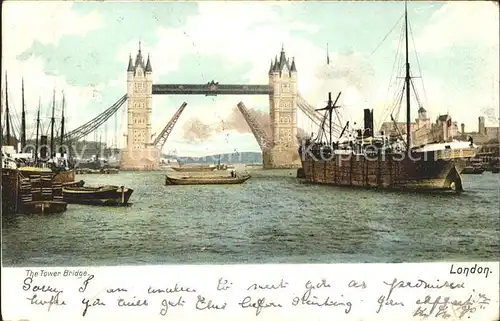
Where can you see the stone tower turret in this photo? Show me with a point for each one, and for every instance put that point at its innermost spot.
(140, 96)
(422, 113)
(139, 109)
(283, 114)
(481, 125)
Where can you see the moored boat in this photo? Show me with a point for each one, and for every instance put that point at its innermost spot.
(65, 176)
(62, 176)
(35, 193)
(43, 207)
(205, 180)
(472, 170)
(194, 169)
(98, 171)
(367, 160)
(80, 183)
(100, 195)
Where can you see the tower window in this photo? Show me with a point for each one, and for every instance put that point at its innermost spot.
(285, 88)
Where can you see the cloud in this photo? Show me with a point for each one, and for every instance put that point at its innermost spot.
(262, 27)
(25, 23)
(236, 121)
(236, 41)
(196, 130)
(466, 33)
(474, 23)
(248, 33)
(44, 22)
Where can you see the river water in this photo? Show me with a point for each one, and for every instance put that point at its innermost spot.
(272, 218)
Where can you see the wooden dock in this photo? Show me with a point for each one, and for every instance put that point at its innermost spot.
(21, 191)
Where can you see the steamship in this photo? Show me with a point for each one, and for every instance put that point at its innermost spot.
(367, 160)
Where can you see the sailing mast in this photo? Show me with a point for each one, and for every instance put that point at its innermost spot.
(23, 117)
(327, 55)
(62, 126)
(1, 124)
(7, 117)
(407, 82)
(52, 121)
(37, 129)
(329, 108)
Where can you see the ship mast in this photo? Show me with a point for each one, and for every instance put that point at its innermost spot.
(62, 125)
(52, 121)
(37, 129)
(23, 117)
(330, 110)
(407, 82)
(331, 105)
(7, 117)
(1, 124)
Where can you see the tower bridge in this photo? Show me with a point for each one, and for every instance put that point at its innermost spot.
(280, 149)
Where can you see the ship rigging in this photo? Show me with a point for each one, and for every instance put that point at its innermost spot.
(369, 160)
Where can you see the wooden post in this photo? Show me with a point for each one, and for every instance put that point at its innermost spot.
(17, 192)
(350, 168)
(325, 180)
(123, 195)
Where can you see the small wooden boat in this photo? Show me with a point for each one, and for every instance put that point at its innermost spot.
(109, 171)
(472, 170)
(105, 170)
(194, 169)
(80, 183)
(43, 207)
(101, 195)
(93, 171)
(205, 180)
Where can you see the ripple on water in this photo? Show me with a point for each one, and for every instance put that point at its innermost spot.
(270, 219)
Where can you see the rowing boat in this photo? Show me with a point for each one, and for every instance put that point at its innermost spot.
(101, 195)
(205, 180)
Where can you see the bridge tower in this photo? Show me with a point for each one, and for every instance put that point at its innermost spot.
(139, 154)
(283, 114)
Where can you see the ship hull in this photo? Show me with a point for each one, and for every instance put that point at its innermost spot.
(66, 176)
(389, 171)
(193, 169)
(105, 195)
(220, 180)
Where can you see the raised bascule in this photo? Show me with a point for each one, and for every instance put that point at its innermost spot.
(279, 148)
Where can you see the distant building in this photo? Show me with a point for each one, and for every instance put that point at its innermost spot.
(483, 134)
(422, 130)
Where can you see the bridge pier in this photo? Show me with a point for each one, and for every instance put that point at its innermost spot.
(281, 158)
(144, 159)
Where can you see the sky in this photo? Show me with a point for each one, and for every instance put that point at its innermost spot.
(82, 48)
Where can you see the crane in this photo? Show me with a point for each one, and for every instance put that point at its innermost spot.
(160, 140)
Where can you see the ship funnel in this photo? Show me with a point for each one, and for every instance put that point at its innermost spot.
(368, 131)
